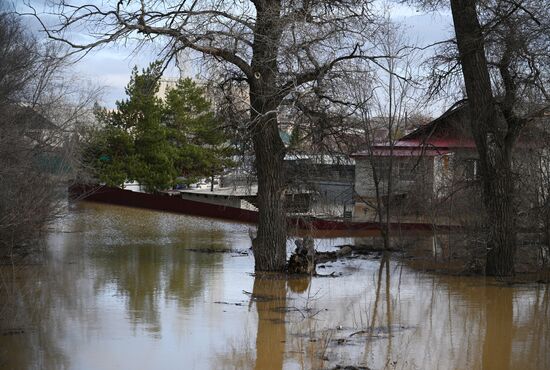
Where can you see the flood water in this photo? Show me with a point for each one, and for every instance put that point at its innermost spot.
(123, 288)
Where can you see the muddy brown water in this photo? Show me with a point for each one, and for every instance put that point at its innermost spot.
(123, 288)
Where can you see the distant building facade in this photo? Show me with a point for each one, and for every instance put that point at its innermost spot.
(432, 164)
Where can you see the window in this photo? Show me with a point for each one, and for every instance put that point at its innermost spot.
(405, 171)
(382, 169)
(402, 169)
(470, 169)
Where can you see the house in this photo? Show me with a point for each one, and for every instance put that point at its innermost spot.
(32, 125)
(428, 165)
(320, 184)
(329, 177)
(32, 143)
(392, 173)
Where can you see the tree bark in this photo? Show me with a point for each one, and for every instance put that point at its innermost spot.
(494, 140)
(269, 247)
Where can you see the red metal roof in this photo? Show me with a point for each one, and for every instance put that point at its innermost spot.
(409, 148)
(444, 134)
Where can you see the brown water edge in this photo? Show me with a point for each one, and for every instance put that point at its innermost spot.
(123, 289)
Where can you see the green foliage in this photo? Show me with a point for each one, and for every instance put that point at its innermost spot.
(152, 141)
(193, 127)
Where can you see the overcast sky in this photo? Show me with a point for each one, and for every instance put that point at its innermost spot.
(111, 66)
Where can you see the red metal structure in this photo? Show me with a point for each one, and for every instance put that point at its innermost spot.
(172, 203)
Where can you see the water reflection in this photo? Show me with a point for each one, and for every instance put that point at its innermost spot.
(499, 328)
(385, 324)
(269, 295)
(145, 275)
(133, 289)
(27, 340)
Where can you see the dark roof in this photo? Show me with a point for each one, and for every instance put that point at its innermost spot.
(452, 129)
(30, 119)
(451, 124)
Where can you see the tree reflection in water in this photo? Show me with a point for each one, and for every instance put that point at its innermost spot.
(123, 287)
(269, 295)
(143, 256)
(386, 326)
(27, 340)
(497, 344)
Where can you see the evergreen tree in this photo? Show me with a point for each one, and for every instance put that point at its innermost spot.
(202, 146)
(153, 142)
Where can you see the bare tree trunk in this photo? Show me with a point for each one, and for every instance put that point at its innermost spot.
(269, 247)
(493, 137)
(270, 243)
(498, 199)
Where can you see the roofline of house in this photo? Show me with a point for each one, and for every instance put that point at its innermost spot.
(430, 127)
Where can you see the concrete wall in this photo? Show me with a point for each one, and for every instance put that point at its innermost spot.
(454, 169)
(412, 181)
(222, 200)
(406, 173)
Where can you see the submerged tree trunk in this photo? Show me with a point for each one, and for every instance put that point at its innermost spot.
(269, 247)
(494, 138)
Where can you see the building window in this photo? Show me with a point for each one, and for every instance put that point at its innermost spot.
(401, 170)
(471, 169)
(405, 171)
(382, 169)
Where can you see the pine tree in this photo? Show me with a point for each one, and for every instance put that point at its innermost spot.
(152, 141)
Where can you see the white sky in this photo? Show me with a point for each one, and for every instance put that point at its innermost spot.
(111, 66)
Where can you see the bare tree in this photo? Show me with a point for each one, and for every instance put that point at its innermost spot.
(534, 182)
(500, 63)
(384, 107)
(274, 46)
(501, 48)
(40, 111)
